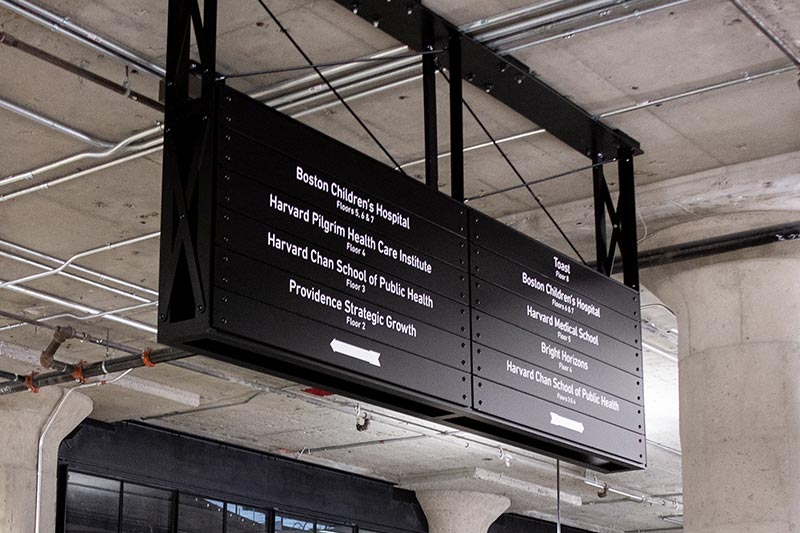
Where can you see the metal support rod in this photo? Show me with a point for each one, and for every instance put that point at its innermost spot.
(54, 125)
(38, 53)
(626, 218)
(68, 28)
(429, 112)
(787, 48)
(558, 496)
(456, 120)
(600, 233)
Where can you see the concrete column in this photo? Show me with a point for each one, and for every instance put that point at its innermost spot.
(22, 419)
(739, 370)
(460, 511)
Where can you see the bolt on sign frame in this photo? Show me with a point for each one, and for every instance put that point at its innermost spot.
(209, 137)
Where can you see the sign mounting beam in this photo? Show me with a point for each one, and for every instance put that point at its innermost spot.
(503, 77)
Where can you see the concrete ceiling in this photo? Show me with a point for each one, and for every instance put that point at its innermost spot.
(713, 146)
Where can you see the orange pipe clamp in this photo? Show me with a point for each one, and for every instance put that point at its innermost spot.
(146, 358)
(29, 382)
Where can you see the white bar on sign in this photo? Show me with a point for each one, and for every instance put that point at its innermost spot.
(356, 352)
(566, 423)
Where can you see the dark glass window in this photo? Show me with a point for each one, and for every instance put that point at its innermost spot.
(285, 523)
(92, 504)
(245, 519)
(333, 528)
(199, 515)
(145, 510)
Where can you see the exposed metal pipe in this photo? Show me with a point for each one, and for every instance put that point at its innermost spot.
(488, 22)
(640, 105)
(786, 47)
(79, 279)
(576, 31)
(84, 318)
(317, 87)
(86, 253)
(83, 73)
(54, 125)
(700, 90)
(478, 146)
(66, 27)
(78, 157)
(81, 336)
(719, 245)
(659, 351)
(362, 81)
(100, 368)
(10, 376)
(358, 96)
(508, 33)
(45, 297)
(84, 270)
(47, 359)
(151, 147)
(664, 502)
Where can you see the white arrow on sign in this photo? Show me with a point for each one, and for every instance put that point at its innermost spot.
(373, 358)
(566, 423)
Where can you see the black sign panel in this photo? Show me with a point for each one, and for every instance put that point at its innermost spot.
(557, 359)
(312, 261)
(294, 216)
(543, 416)
(552, 387)
(287, 331)
(492, 300)
(313, 300)
(337, 272)
(315, 150)
(552, 296)
(545, 261)
(512, 339)
(334, 197)
(556, 346)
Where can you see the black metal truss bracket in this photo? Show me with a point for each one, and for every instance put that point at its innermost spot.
(188, 160)
(621, 217)
(503, 77)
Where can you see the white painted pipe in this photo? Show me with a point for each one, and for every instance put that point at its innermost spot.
(151, 148)
(86, 253)
(68, 28)
(39, 295)
(40, 453)
(77, 157)
(53, 124)
(84, 270)
(79, 279)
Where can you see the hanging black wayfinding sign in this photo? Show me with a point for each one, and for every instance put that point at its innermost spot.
(303, 258)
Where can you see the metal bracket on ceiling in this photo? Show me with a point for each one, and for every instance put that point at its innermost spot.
(503, 77)
(511, 82)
